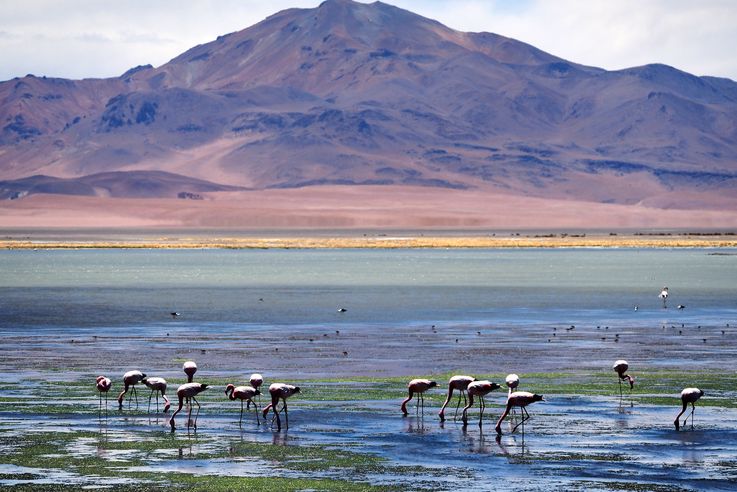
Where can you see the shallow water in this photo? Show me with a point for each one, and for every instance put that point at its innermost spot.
(68, 315)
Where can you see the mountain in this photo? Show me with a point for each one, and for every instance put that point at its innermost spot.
(353, 94)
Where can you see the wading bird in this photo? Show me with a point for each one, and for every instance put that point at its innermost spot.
(157, 385)
(688, 395)
(103, 386)
(459, 383)
(480, 389)
(256, 381)
(620, 367)
(243, 393)
(518, 399)
(664, 295)
(280, 391)
(188, 391)
(189, 368)
(512, 382)
(418, 386)
(130, 380)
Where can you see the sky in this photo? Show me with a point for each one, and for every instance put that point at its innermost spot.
(104, 38)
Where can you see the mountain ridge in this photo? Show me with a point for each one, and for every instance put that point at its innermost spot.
(371, 94)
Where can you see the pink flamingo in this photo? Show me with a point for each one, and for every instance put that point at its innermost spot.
(480, 389)
(620, 367)
(243, 393)
(688, 395)
(256, 381)
(459, 383)
(157, 385)
(188, 391)
(103, 386)
(280, 391)
(418, 386)
(130, 380)
(518, 399)
(189, 368)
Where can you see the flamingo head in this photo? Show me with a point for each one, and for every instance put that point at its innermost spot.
(229, 388)
(432, 384)
(257, 392)
(537, 397)
(495, 386)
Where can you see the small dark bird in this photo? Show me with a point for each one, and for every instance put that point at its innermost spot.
(342, 310)
(175, 315)
(681, 306)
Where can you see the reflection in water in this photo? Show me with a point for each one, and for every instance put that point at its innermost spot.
(416, 425)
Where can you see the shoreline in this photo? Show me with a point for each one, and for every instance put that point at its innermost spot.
(382, 241)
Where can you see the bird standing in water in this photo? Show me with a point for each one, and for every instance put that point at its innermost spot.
(620, 367)
(256, 381)
(189, 368)
(518, 399)
(103, 386)
(688, 395)
(480, 389)
(157, 385)
(243, 393)
(664, 295)
(188, 391)
(130, 380)
(459, 383)
(280, 391)
(418, 386)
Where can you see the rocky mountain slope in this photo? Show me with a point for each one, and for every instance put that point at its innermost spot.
(370, 94)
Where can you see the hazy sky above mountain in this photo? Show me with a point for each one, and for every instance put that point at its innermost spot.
(92, 38)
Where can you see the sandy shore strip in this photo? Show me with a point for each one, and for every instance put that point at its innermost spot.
(388, 241)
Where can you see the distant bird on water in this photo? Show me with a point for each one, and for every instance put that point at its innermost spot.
(681, 306)
(620, 367)
(280, 391)
(518, 399)
(103, 386)
(188, 391)
(664, 295)
(459, 383)
(342, 310)
(175, 315)
(130, 380)
(418, 386)
(688, 395)
(479, 389)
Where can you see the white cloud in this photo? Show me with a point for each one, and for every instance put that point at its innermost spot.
(89, 38)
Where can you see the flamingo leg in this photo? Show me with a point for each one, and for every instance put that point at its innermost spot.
(240, 421)
(255, 405)
(105, 405)
(286, 414)
(482, 406)
(525, 416)
(197, 414)
(463, 394)
(149, 401)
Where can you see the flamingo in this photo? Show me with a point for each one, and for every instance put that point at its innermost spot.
(188, 391)
(418, 386)
(688, 395)
(480, 389)
(664, 295)
(103, 386)
(512, 382)
(459, 383)
(157, 385)
(256, 381)
(518, 399)
(280, 391)
(243, 393)
(620, 367)
(130, 380)
(189, 368)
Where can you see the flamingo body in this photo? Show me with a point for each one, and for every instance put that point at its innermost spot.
(620, 367)
(456, 383)
(157, 385)
(188, 391)
(130, 380)
(243, 393)
(518, 399)
(103, 385)
(189, 368)
(280, 391)
(418, 386)
(478, 389)
(688, 395)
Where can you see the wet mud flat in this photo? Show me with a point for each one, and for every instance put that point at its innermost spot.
(346, 430)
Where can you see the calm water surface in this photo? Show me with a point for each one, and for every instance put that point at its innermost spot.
(100, 288)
